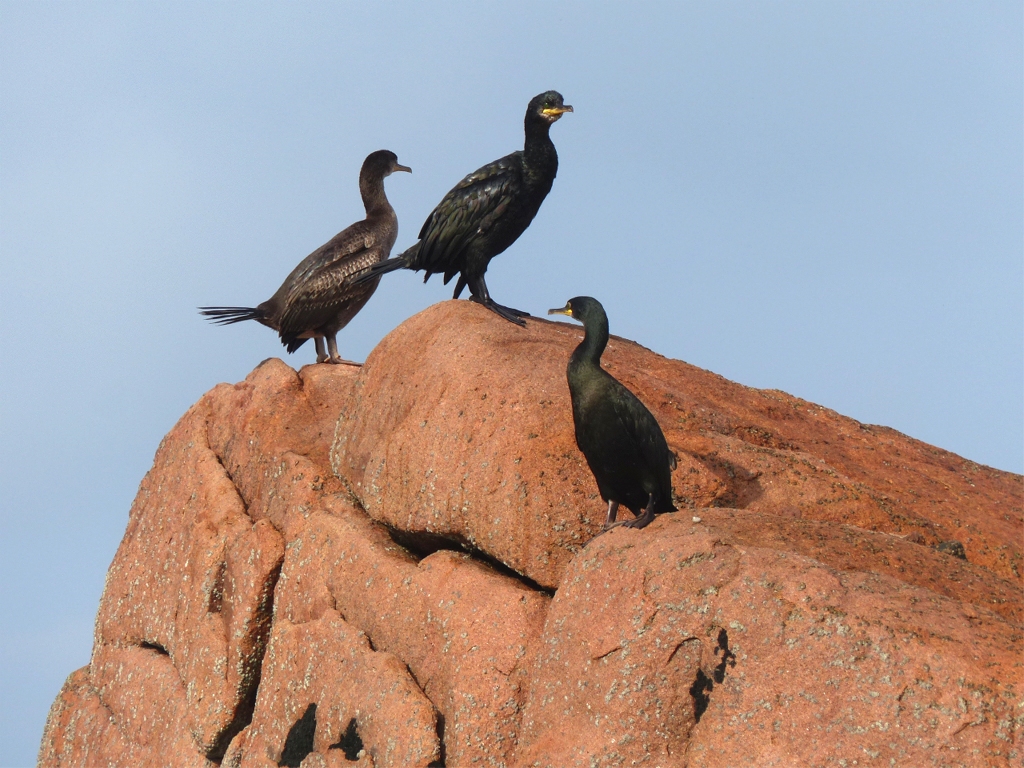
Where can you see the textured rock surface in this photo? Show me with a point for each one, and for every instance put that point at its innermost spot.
(324, 675)
(690, 647)
(396, 566)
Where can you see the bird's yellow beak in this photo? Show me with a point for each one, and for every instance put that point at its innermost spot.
(405, 168)
(556, 112)
(566, 310)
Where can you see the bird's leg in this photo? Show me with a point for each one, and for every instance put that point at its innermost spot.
(332, 347)
(645, 519)
(321, 355)
(613, 510)
(478, 289)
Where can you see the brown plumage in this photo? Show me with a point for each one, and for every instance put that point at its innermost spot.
(315, 301)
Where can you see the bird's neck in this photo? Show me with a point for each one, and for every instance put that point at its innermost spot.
(539, 155)
(595, 339)
(374, 199)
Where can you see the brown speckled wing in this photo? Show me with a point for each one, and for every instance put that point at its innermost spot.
(319, 296)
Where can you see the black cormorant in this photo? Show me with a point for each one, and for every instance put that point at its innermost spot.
(619, 437)
(316, 300)
(487, 211)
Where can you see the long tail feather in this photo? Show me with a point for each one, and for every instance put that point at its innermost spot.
(228, 315)
(378, 269)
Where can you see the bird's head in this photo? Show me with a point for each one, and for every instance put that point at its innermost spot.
(382, 163)
(548, 106)
(580, 309)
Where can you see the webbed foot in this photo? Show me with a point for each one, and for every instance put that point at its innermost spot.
(641, 521)
(512, 315)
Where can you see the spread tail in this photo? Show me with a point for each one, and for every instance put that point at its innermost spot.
(228, 315)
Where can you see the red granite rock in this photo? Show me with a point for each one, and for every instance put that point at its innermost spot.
(80, 731)
(464, 631)
(478, 445)
(193, 579)
(144, 695)
(419, 610)
(345, 557)
(690, 647)
(322, 683)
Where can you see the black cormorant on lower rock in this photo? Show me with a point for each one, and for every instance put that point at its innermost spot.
(317, 299)
(487, 211)
(619, 437)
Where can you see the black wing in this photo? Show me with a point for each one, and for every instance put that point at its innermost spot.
(643, 429)
(468, 212)
(625, 447)
(649, 440)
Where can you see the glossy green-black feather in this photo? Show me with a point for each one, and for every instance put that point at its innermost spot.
(620, 438)
(478, 219)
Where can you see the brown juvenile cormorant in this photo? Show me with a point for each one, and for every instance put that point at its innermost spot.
(619, 437)
(487, 211)
(316, 300)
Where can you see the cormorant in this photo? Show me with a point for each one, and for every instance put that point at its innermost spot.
(619, 437)
(316, 300)
(486, 212)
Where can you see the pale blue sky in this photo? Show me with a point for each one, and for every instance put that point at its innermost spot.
(824, 198)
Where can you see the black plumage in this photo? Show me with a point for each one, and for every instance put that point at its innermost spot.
(487, 211)
(317, 299)
(619, 437)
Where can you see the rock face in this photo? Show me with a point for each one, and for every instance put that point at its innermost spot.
(398, 566)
